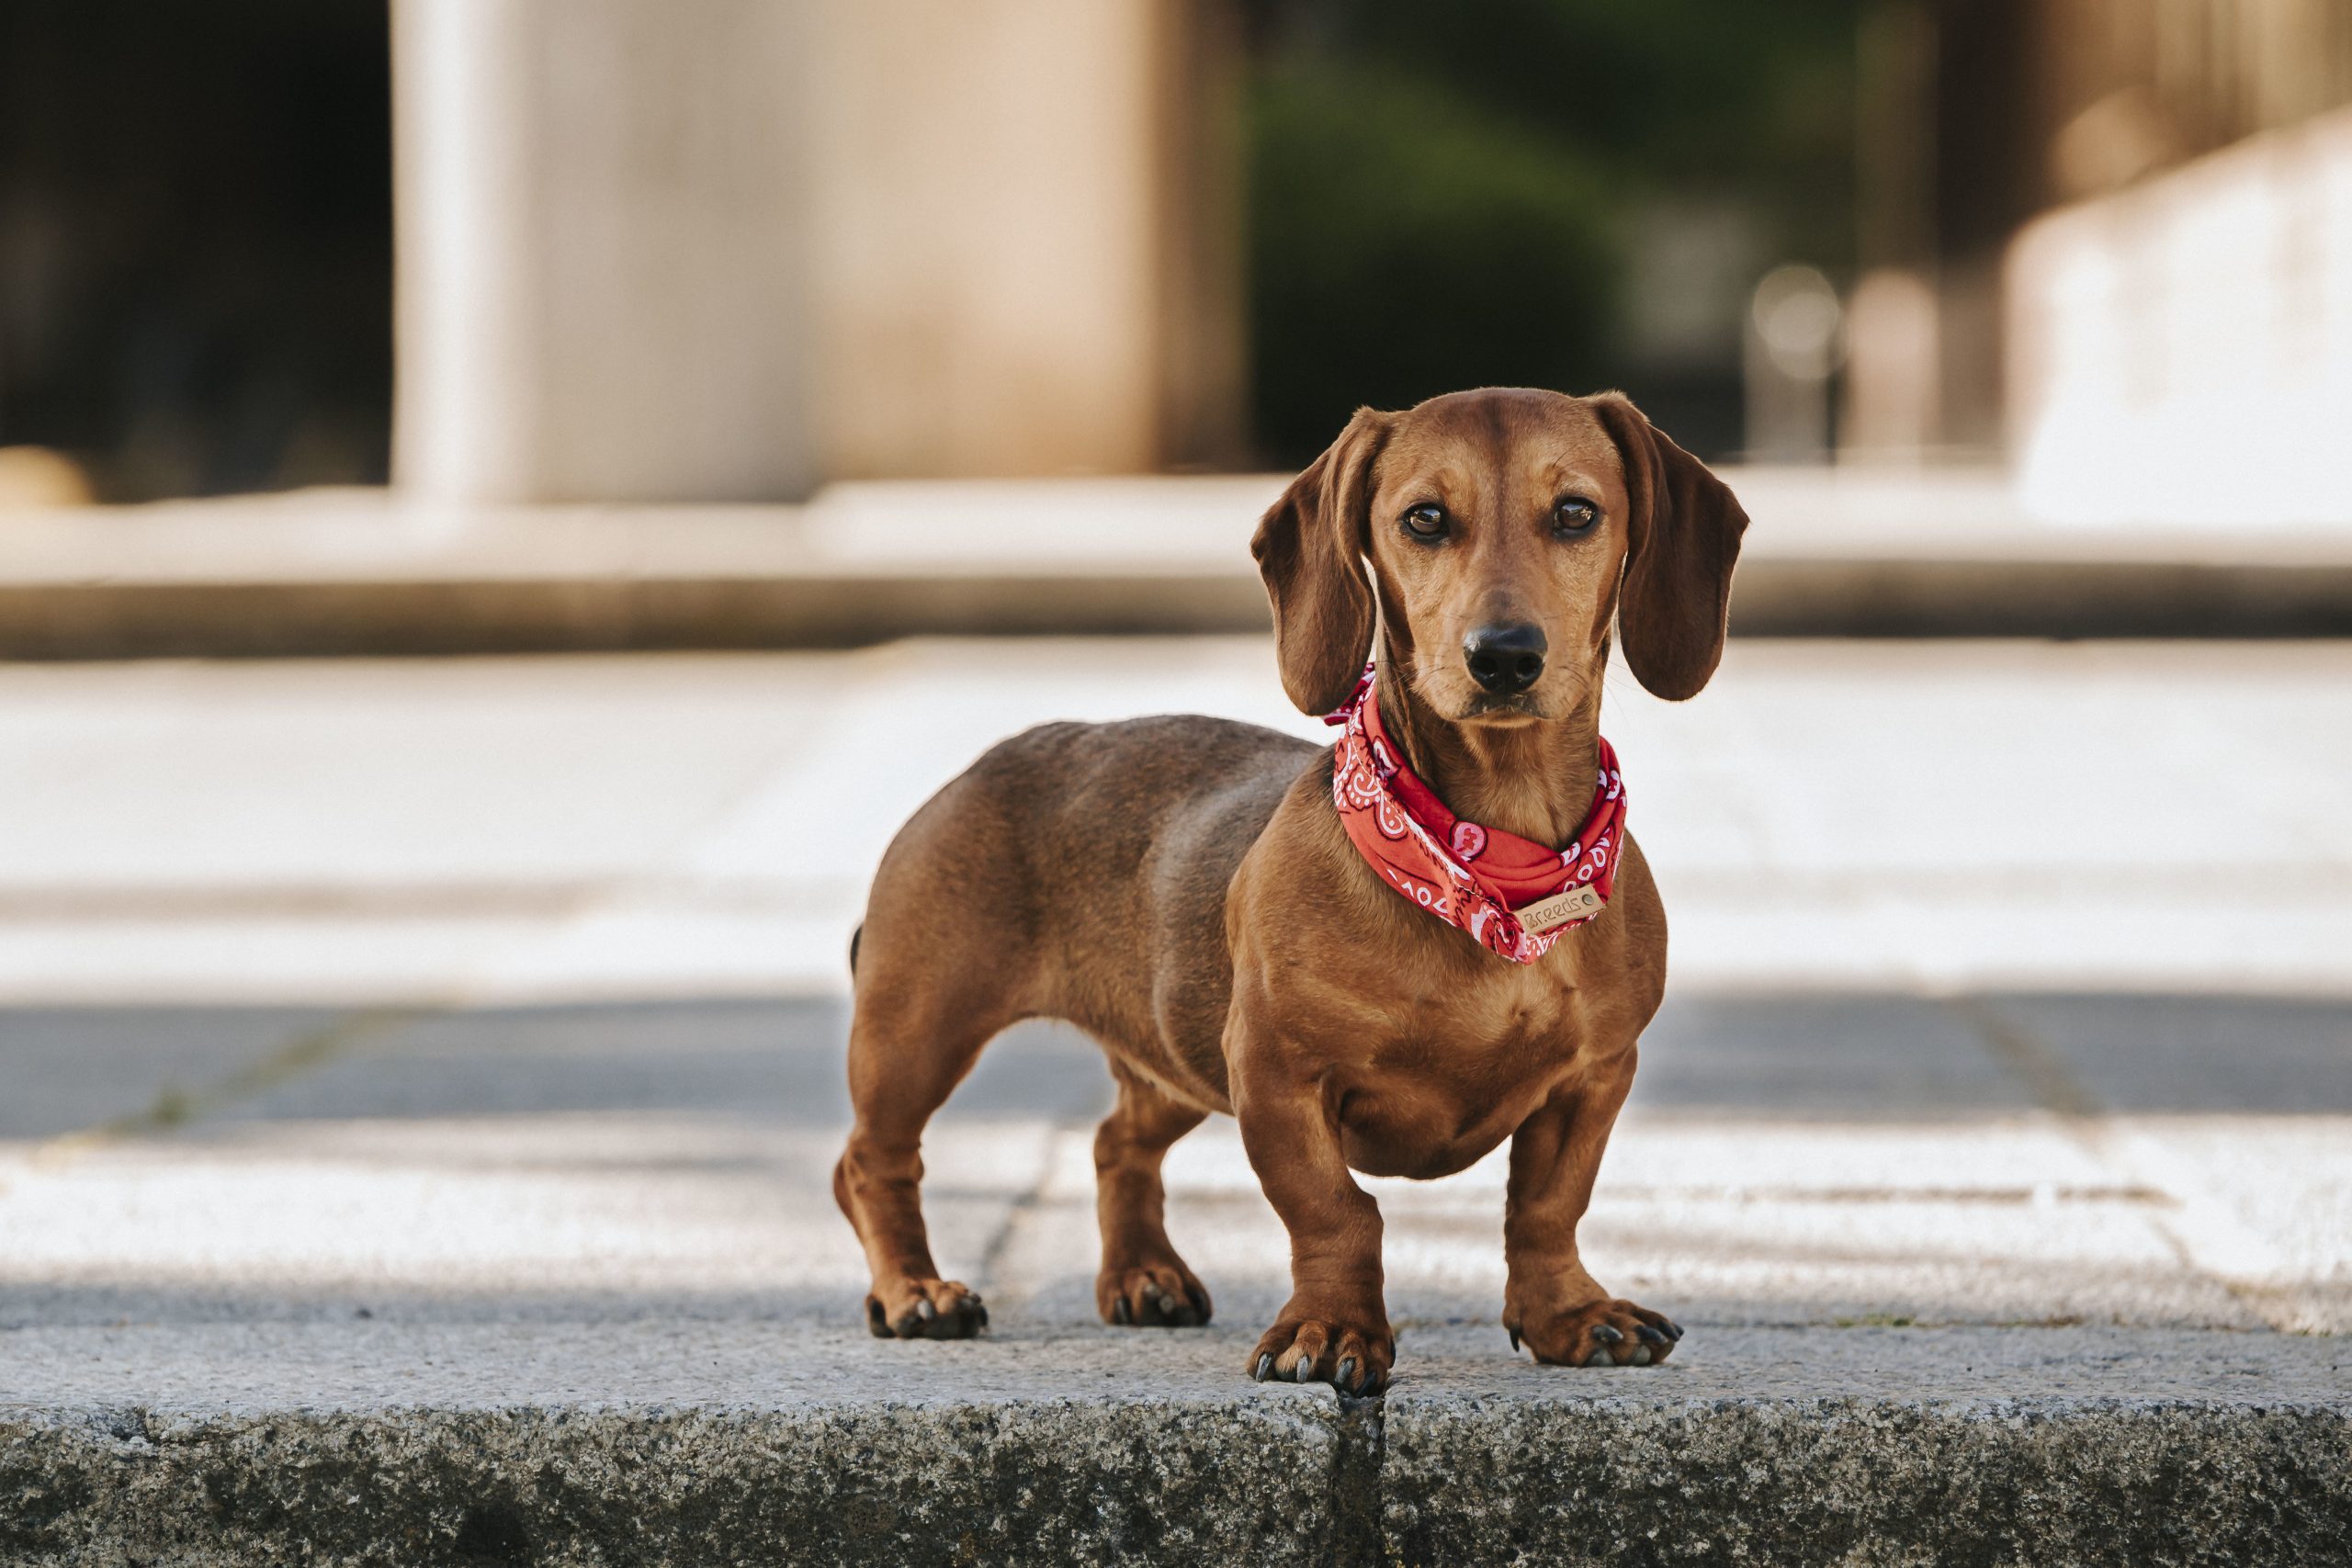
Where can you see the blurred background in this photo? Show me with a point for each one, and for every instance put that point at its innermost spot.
(757, 407)
(511, 250)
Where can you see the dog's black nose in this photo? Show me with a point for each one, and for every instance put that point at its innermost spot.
(1507, 658)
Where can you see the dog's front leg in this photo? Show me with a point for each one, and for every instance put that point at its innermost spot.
(1551, 1303)
(1335, 1327)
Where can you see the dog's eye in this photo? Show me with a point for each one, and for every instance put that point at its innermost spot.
(1574, 515)
(1426, 521)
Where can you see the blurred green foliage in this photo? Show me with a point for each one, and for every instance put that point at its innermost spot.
(1406, 241)
(1448, 195)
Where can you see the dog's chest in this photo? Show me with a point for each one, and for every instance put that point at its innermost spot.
(1439, 1088)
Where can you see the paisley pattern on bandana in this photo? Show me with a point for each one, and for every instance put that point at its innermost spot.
(1428, 854)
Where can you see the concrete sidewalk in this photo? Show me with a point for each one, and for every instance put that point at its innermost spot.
(1832, 552)
(1915, 816)
(419, 1080)
(565, 1285)
(1822, 1161)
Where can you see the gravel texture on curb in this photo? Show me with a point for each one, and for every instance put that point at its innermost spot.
(381, 1443)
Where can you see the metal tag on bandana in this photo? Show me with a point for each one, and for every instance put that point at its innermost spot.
(1573, 905)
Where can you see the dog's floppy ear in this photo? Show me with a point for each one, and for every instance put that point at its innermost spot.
(1310, 547)
(1684, 540)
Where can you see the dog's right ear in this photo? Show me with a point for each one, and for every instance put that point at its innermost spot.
(1310, 548)
(1683, 540)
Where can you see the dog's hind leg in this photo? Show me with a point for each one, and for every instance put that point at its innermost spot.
(915, 1035)
(1143, 1282)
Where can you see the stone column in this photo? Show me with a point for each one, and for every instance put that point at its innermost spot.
(602, 217)
(1026, 251)
(717, 250)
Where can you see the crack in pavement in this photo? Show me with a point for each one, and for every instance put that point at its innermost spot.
(173, 1107)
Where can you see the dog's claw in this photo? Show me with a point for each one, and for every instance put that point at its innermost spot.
(942, 1309)
(1514, 1337)
(1606, 1333)
(1151, 1295)
(1352, 1357)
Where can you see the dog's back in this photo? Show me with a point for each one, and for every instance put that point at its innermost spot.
(1097, 857)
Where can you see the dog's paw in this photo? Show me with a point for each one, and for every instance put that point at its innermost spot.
(1352, 1356)
(925, 1309)
(1603, 1333)
(1151, 1295)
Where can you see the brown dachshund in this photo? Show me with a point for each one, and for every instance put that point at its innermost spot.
(1183, 889)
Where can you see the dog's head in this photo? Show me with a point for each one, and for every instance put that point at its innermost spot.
(1506, 531)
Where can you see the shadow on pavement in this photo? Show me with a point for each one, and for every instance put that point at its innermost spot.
(1866, 1057)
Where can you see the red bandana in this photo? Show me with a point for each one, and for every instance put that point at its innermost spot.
(1511, 894)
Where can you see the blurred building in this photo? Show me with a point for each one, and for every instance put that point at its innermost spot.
(616, 249)
(2110, 240)
(723, 249)
(2179, 334)
(726, 249)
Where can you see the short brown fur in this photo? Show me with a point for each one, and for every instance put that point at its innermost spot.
(1251, 963)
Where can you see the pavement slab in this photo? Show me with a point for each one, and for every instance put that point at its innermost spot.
(621, 1159)
(419, 1087)
(462, 831)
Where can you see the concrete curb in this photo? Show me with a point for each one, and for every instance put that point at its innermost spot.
(601, 615)
(2028, 597)
(362, 573)
(1855, 1480)
(1170, 1481)
(1829, 597)
(1853, 1446)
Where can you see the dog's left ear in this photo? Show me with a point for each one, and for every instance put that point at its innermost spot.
(1310, 547)
(1684, 541)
